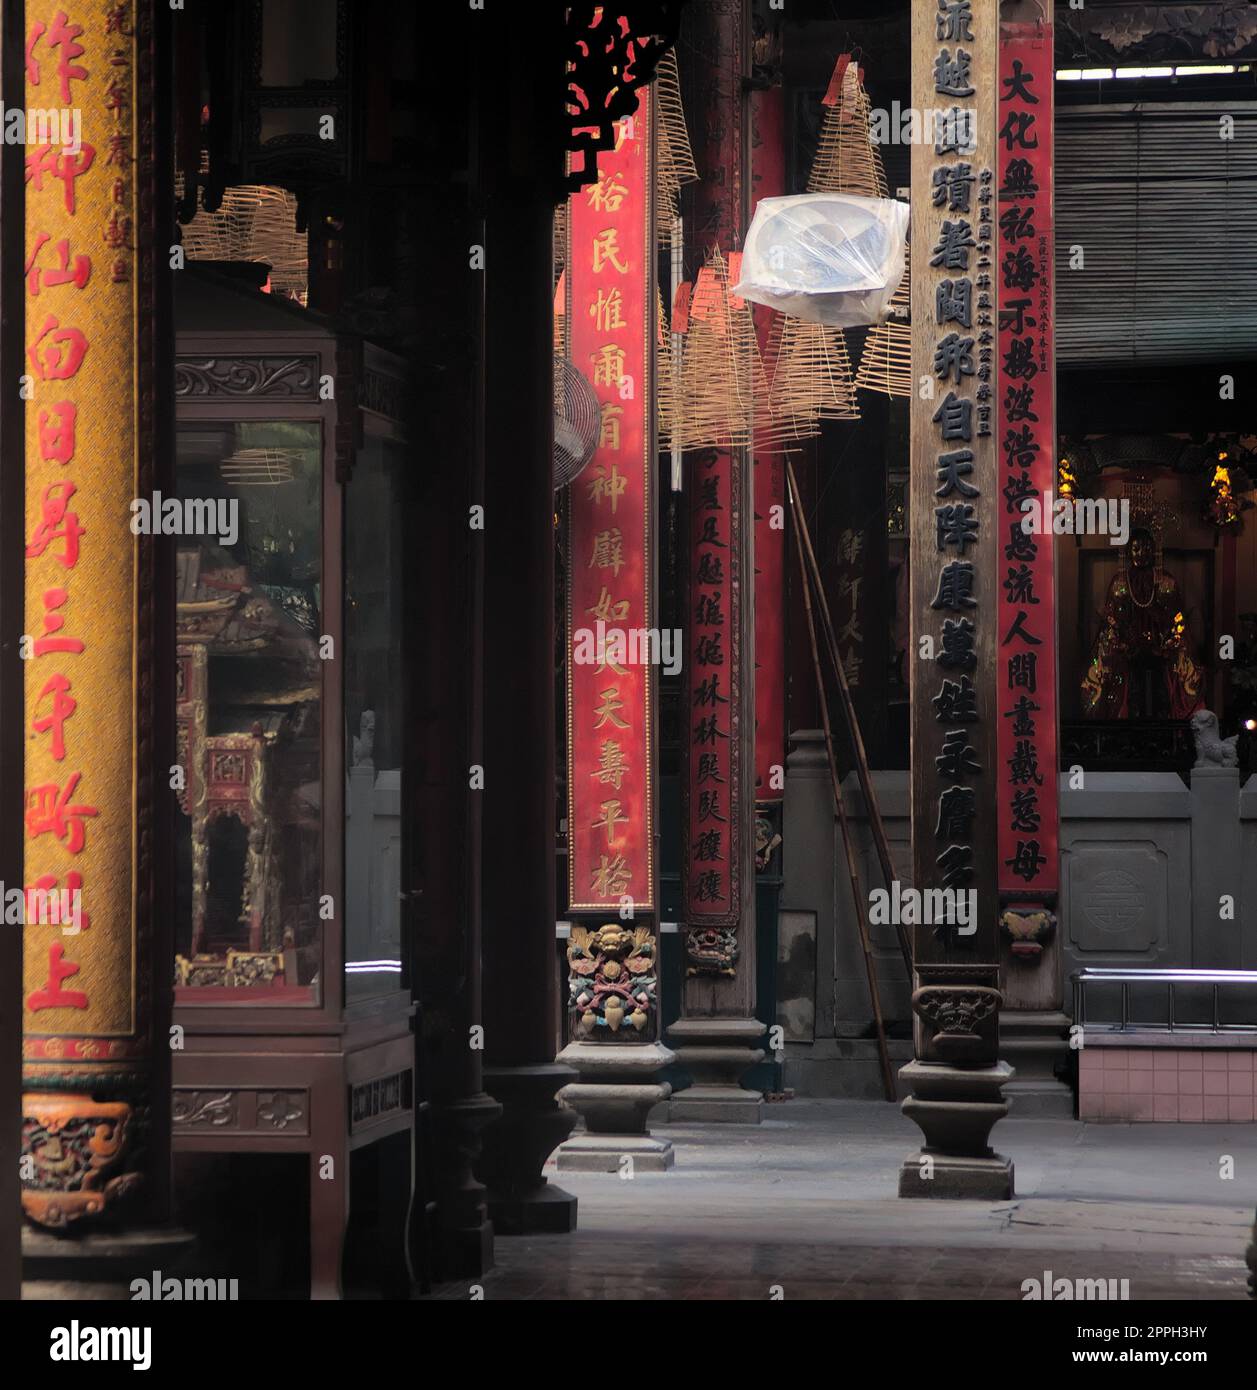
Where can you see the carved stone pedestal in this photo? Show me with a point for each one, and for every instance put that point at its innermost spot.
(614, 1097)
(717, 1052)
(465, 1240)
(532, 1126)
(956, 1108)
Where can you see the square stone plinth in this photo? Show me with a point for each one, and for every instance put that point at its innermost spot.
(716, 1105)
(979, 1179)
(614, 1153)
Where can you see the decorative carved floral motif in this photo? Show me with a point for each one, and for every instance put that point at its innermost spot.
(711, 951)
(1125, 30)
(956, 1011)
(613, 981)
(214, 1109)
(611, 54)
(75, 1147)
(1137, 34)
(278, 1109)
(293, 377)
(1028, 931)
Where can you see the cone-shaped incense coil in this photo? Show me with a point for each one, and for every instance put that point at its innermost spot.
(847, 160)
(886, 364)
(813, 379)
(720, 367)
(667, 388)
(674, 159)
(254, 223)
(774, 433)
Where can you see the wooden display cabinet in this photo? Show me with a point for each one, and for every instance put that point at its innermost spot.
(291, 983)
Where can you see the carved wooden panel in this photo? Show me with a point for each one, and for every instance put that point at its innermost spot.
(241, 1111)
(285, 377)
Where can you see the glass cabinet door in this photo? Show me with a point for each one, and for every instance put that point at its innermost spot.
(373, 733)
(249, 530)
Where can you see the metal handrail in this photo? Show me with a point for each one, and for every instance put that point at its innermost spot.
(1127, 977)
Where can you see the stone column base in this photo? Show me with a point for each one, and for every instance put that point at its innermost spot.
(956, 1108)
(978, 1179)
(614, 1096)
(615, 1153)
(717, 1052)
(516, 1147)
(102, 1265)
(464, 1234)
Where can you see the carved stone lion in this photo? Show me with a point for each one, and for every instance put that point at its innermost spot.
(1212, 751)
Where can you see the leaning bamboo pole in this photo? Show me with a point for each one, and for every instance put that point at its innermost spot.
(857, 897)
(848, 707)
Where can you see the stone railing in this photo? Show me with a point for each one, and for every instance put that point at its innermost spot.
(1154, 873)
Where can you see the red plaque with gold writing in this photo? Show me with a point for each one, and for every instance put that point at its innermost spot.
(613, 646)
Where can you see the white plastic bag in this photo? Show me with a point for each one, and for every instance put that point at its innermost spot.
(832, 258)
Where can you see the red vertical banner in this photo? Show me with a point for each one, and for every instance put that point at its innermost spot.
(768, 180)
(612, 645)
(712, 795)
(1026, 661)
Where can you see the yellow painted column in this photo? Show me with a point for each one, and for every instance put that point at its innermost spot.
(92, 1006)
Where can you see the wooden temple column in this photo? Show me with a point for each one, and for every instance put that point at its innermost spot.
(99, 703)
(717, 1036)
(519, 137)
(444, 723)
(610, 548)
(958, 531)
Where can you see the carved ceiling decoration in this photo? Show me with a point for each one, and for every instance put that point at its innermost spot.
(1131, 34)
(612, 53)
(1088, 458)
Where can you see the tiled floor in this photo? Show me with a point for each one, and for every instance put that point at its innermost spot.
(803, 1207)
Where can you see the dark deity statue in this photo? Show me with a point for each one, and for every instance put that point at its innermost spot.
(1141, 665)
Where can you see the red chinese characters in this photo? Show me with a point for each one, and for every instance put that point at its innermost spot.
(62, 37)
(48, 811)
(54, 995)
(612, 647)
